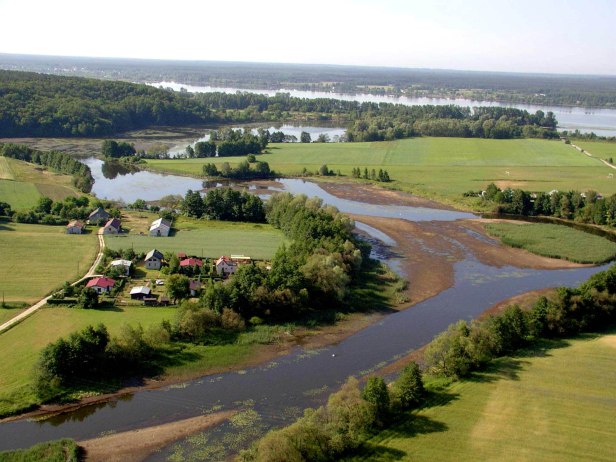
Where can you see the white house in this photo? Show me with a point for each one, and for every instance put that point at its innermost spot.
(113, 226)
(140, 292)
(126, 264)
(153, 260)
(75, 227)
(101, 285)
(160, 227)
(224, 265)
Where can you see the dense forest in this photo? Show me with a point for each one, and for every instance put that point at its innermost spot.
(45, 105)
(574, 90)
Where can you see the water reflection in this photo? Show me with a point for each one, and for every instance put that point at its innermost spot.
(111, 169)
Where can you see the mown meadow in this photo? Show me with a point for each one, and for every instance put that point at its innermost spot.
(437, 168)
(553, 403)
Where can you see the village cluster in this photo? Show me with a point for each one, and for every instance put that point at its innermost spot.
(123, 270)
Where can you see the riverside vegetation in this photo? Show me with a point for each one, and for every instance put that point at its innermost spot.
(343, 427)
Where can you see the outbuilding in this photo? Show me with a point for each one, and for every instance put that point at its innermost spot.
(140, 292)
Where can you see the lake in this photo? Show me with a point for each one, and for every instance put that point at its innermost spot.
(597, 120)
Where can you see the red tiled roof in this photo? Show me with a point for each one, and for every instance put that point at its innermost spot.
(191, 262)
(101, 282)
(76, 223)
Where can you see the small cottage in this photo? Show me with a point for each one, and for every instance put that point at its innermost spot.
(190, 263)
(160, 228)
(113, 226)
(140, 292)
(98, 216)
(101, 285)
(75, 227)
(224, 266)
(153, 260)
(124, 265)
(195, 288)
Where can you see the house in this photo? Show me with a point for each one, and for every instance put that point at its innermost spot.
(113, 226)
(153, 260)
(140, 292)
(160, 227)
(195, 288)
(98, 216)
(190, 263)
(126, 264)
(75, 227)
(224, 265)
(101, 285)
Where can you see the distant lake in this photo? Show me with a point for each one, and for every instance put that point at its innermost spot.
(292, 130)
(600, 121)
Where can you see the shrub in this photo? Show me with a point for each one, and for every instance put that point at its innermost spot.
(408, 389)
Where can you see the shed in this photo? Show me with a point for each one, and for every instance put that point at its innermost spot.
(140, 292)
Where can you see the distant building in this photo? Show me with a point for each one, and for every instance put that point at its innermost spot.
(195, 288)
(126, 264)
(224, 265)
(153, 260)
(98, 216)
(113, 226)
(75, 227)
(160, 227)
(140, 292)
(190, 263)
(101, 285)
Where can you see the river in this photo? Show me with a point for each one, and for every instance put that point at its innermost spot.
(597, 120)
(276, 391)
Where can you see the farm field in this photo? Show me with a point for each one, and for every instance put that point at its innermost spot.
(21, 184)
(438, 168)
(36, 259)
(21, 344)
(555, 241)
(601, 149)
(517, 411)
(199, 237)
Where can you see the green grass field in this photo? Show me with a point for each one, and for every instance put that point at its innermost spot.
(438, 168)
(200, 237)
(555, 241)
(601, 149)
(551, 405)
(36, 259)
(21, 184)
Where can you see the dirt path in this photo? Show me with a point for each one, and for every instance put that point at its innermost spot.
(137, 445)
(584, 151)
(24, 314)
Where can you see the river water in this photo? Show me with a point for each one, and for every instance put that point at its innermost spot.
(278, 389)
(597, 120)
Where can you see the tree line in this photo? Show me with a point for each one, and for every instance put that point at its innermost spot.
(352, 415)
(57, 161)
(588, 207)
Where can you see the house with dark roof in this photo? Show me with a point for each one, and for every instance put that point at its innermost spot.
(101, 285)
(153, 260)
(75, 227)
(98, 216)
(113, 226)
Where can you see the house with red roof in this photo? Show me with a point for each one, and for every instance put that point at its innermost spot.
(101, 285)
(225, 265)
(190, 265)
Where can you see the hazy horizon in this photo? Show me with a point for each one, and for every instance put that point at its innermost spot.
(548, 37)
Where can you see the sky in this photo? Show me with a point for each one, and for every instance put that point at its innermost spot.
(552, 36)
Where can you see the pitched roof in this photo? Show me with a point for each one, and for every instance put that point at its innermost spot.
(140, 290)
(99, 211)
(160, 222)
(194, 285)
(226, 260)
(75, 223)
(191, 262)
(101, 282)
(114, 222)
(154, 253)
(121, 263)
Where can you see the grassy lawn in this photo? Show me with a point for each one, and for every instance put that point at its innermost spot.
(36, 259)
(199, 237)
(550, 405)
(438, 168)
(21, 184)
(601, 149)
(555, 241)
